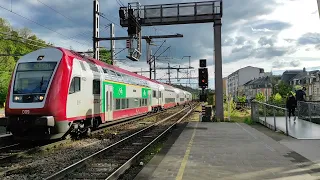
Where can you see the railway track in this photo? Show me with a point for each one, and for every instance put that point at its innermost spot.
(9, 155)
(13, 150)
(112, 161)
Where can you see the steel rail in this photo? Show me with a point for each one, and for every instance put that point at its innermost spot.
(84, 161)
(131, 161)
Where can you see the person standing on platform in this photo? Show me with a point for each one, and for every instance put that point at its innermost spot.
(301, 96)
(291, 105)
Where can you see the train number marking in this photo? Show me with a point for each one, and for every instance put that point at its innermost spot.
(25, 111)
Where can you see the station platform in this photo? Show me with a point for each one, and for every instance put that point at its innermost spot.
(300, 129)
(207, 150)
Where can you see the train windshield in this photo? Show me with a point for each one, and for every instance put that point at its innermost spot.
(33, 77)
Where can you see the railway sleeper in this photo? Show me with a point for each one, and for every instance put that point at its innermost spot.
(103, 165)
(99, 169)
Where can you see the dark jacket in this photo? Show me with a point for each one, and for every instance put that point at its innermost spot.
(300, 95)
(291, 102)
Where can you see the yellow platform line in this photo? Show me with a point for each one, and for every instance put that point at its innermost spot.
(186, 155)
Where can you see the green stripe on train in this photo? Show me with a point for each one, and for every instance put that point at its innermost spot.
(120, 91)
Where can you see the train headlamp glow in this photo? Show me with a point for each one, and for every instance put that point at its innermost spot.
(39, 98)
(17, 98)
(40, 58)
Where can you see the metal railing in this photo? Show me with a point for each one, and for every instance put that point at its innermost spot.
(309, 111)
(269, 115)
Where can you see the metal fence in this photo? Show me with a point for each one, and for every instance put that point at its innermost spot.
(272, 116)
(309, 111)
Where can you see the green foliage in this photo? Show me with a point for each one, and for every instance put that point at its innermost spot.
(210, 98)
(242, 99)
(15, 42)
(248, 120)
(260, 97)
(232, 105)
(277, 99)
(283, 89)
(105, 55)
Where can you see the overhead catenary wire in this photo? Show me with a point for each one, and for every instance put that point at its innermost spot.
(75, 23)
(42, 25)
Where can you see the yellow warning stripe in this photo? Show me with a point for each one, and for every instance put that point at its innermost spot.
(186, 156)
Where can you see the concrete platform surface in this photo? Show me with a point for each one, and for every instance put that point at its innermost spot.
(227, 151)
(299, 129)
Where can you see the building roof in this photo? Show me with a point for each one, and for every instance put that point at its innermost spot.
(259, 82)
(243, 68)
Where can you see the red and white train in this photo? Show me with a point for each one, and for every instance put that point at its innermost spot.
(55, 91)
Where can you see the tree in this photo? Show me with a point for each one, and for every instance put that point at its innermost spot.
(283, 89)
(19, 41)
(242, 99)
(277, 98)
(260, 97)
(105, 55)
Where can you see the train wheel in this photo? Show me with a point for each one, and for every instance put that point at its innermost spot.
(67, 137)
(88, 132)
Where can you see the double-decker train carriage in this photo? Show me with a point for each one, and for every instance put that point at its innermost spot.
(54, 91)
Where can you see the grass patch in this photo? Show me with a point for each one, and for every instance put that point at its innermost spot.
(240, 116)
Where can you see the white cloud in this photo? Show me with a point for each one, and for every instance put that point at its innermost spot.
(258, 33)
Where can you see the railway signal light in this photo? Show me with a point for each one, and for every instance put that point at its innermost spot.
(203, 77)
(203, 63)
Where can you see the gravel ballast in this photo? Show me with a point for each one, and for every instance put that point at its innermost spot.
(46, 163)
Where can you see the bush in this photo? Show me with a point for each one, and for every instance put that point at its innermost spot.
(248, 120)
(277, 99)
(260, 97)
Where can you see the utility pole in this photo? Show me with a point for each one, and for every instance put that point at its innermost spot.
(148, 53)
(96, 29)
(154, 68)
(169, 73)
(112, 43)
(218, 69)
(318, 1)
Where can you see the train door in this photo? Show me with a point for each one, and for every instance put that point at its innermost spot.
(108, 103)
(149, 101)
(159, 97)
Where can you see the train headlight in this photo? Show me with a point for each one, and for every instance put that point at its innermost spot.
(17, 98)
(38, 98)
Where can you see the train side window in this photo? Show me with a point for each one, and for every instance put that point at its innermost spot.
(96, 87)
(127, 103)
(154, 94)
(123, 104)
(82, 66)
(75, 85)
(118, 104)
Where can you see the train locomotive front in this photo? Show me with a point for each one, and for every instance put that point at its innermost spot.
(35, 106)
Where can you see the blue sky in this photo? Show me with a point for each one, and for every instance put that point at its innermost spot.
(275, 35)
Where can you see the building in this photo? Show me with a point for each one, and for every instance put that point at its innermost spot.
(224, 85)
(310, 80)
(289, 74)
(255, 86)
(242, 76)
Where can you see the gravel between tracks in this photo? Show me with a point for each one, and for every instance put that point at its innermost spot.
(41, 165)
